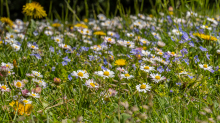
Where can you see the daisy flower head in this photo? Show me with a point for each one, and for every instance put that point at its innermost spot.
(4, 88)
(19, 84)
(109, 40)
(205, 67)
(40, 82)
(7, 21)
(25, 101)
(91, 84)
(65, 46)
(127, 76)
(37, 74)
(157, 77)
(15, 47)
(183, 73)
(81, 74)
(105, 73)
(8, 65)
(146, 68)
(144, 41)
(145, 52)
(35, 95)
(143, 87)
(34, 47)
(130, 34)
(58, 40)
(160, 53)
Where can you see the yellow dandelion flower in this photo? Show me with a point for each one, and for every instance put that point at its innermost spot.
(7, 21)
(56, 25)
(22, 109)
(99, 33)
(85, 20)
(120, 62)
(81, 25)
(205, 37)
(34, 9)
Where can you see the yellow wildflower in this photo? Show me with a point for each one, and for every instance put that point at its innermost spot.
(34, 9)
(120, 62)
(7, 21)
(205, 37)
(22, 109)
(99, 33)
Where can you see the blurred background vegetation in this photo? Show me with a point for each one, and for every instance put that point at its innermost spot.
(86, 8)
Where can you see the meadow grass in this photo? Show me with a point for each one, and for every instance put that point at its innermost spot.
(161, 66)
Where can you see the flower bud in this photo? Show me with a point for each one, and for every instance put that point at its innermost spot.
(161, 44)
(4, 71)
(25, 92)
(57, 80)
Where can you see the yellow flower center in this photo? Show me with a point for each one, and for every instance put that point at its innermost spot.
(128, 42)
(3, 87)
(18, 84)
(25, 101)
(144, 42)
(80, 74)
(181, 71)
(143, 86)
(9, 72)
(40, 81)
(127, 75)
(95, 48)
(87, 31)
(32, 46)
(33, 95)
(157, 77)
(160, 53)
(109, 39)
(92, 84)
(16, 47)
(147, 67)
(106, 73)
(65, 46)
(7, 65)
(99, 46)
(205, 65)
(130, 34)
(172, 53)
(12, 36)
(58, 40)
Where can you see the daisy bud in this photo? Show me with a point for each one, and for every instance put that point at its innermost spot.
(161, 44)
(170, 8)
(24, 92)
(57, 80)
(218, 51)
(36, 90)
(4, 71)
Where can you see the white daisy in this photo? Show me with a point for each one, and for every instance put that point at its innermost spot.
(205, 67)
(19, 84)
(81, 74)
(37, 74)
(157, 77)
(127, 76)
(143, 87)
(8, 65)
(35, 95)
(25, 101)
(58, 40)
(15, 47)
(105, 73)
(4, 88)
(145, 52)
(91, 84)
(147, 68)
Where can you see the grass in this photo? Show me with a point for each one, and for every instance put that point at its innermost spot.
(189, 91)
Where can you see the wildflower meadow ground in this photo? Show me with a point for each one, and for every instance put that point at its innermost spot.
(155, 67)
